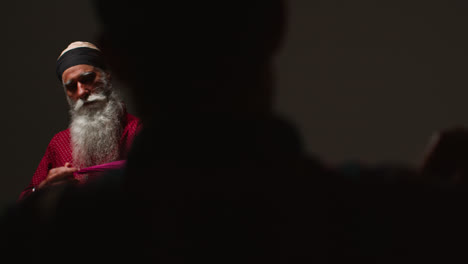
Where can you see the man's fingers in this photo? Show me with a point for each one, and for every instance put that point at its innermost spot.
(60, 173)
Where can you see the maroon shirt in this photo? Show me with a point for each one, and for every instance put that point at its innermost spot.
(59, 151)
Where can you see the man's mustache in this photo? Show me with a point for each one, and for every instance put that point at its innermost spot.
(91, 99)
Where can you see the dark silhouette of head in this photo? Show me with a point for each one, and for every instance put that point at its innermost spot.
(194, 56)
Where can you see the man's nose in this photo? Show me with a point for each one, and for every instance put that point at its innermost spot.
(82, 90)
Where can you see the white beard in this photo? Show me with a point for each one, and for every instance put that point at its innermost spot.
(95, 129)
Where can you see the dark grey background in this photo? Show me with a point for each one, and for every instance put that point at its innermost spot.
(368, 80)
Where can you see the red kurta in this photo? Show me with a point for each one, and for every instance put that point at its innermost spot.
(59, 151)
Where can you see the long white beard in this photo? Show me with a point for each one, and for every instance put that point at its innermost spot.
(95, 130)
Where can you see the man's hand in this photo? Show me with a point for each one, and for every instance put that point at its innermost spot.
(59, 175)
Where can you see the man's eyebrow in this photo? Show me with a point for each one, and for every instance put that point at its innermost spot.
(83, 74)
(67, 83)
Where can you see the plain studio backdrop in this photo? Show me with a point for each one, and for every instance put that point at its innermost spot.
(362, 80)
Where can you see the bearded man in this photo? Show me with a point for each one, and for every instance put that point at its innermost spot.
(101, 131)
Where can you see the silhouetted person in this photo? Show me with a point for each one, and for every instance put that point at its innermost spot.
(223, 178)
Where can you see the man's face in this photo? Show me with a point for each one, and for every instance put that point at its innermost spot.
(81, 81)
(84, 85)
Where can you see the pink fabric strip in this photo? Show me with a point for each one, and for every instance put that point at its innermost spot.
(101, 168)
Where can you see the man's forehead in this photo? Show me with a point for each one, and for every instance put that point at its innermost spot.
(75, 71)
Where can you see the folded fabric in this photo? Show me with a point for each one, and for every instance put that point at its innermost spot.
(101, 167)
